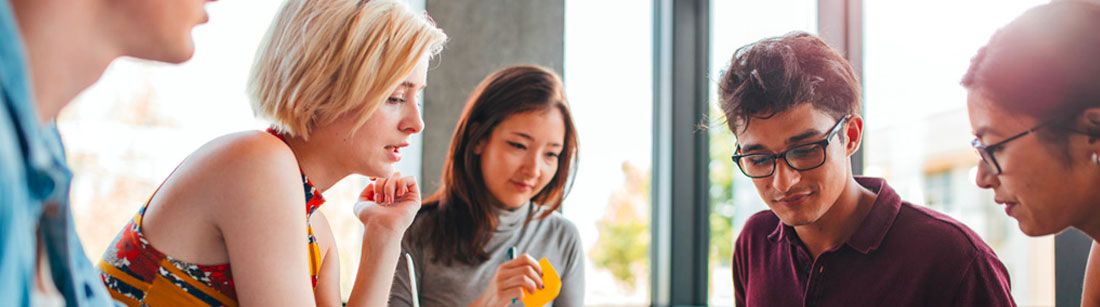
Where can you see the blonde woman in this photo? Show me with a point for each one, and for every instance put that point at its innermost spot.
(236, 222)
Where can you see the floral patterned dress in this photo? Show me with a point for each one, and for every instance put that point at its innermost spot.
(137, 274)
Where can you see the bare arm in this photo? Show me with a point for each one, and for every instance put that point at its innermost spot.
(262, 222)
(386, 209)
(328, 279)
(1090, 294)
(400, 294)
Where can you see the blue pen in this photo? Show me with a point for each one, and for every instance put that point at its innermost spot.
(512, 255)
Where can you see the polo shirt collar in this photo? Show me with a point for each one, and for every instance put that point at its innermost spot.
(868, 236)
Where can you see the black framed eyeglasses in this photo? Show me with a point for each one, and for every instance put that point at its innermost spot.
(986, 151)
(801, 158)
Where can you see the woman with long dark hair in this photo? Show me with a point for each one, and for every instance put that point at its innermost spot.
(509, 165)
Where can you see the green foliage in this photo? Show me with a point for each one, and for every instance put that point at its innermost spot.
(623, 244)
(722, 170)
(623, 249)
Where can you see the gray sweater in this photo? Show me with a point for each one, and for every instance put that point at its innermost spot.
(554, 238)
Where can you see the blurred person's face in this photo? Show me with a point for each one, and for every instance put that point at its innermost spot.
(377, 144)
(520, 156)
(1037, 187)
(801, 198)
(157, 30)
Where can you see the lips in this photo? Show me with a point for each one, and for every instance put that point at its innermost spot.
(793, 200)
(396, 147)
(1009, 206)
(394, 151)
(522, 186)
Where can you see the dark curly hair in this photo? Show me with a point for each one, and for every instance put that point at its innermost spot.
(776, 74)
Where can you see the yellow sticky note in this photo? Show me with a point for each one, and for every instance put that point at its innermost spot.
(551, 287)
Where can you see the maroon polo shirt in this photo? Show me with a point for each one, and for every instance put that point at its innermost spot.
(901, 255)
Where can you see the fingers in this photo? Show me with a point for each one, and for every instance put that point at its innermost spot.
(510, 285)
(403, 186)
(511, 293)
(412, 187)
(529, 262)
(522, 268)
(391, 190)
(520, 282)
(384, 189)
(368, 192)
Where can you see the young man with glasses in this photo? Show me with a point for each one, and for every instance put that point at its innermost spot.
(832, 238)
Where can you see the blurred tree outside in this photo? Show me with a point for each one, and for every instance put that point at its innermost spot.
(722, 170)
(623, 244)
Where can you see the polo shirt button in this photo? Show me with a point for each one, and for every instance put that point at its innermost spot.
(821, 269)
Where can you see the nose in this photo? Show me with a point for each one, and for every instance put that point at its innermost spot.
(986, 178)
(530, 166)
(411, 120)
(784, 177)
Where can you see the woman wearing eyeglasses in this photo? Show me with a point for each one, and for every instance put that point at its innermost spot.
(1034, 103)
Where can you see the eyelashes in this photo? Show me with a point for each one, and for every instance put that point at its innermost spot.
(523, 147)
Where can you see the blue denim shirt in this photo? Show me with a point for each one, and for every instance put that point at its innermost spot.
(34, 192)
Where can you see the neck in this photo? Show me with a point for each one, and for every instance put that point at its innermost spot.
(316, 162)
(1090, 225)
(1092, 230)
(840, 222)
(66, 50)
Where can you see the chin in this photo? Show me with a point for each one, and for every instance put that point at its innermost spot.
(379, 172)
(803, 216)
(1033, 230)
(177, 54)
(794, 220)
(515, 202)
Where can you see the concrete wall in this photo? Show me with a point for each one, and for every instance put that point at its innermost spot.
(485, 35)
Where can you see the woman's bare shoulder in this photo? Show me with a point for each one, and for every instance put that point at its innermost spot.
(244, 169)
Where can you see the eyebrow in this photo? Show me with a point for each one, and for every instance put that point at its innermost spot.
(413, 85)
(530, 138)
(983, 131)
(794, 139)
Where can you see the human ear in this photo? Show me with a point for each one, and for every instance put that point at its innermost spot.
(853, 131)
(1089, 122)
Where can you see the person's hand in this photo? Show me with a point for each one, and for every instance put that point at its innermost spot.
(389, 204)
(510, 280)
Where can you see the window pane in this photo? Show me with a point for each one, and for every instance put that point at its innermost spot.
(608, 78)
(918, 133)
(733, 199)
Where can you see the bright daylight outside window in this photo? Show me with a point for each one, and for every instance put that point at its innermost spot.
(917, 129)
(126, 134)
(608, 78)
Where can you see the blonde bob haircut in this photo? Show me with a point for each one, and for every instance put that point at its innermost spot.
(324, 58)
